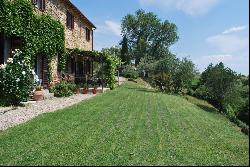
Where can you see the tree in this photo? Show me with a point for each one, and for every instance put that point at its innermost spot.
(125, 51)
(183, 75)
(147, 35)
(220, 84)
(114, 50)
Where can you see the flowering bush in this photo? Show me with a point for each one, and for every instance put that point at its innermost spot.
(16, 80)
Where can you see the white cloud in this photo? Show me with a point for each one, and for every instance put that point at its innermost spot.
(238, 62)
(110, 27)
(107, 34)
(190, 7)
(218, 58)
(204, 61)
(234, 29)
(113, 27)
(228, 43)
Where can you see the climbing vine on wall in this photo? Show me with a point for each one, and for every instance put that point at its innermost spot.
(40, 34)
(44, 35)
(110, 62)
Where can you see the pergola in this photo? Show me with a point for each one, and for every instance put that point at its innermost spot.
(84, 65)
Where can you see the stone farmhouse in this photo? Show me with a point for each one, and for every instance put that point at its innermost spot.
(78, 34)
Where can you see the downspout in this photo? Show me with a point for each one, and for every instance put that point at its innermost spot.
(93, 39)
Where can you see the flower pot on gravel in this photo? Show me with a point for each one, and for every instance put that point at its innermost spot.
(85, 91)
(94, 91)
(38, 94)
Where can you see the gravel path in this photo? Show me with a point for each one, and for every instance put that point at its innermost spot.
(12, 116)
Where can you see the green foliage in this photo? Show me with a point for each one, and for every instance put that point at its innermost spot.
(169, 74)
(125, 57)
(221, 86)
(146, 35)
(110, 62)
(40, 34)
(16, 82)
(146, 66)
(130, 72)
(184, 74)
(227, 91)
(64, 89)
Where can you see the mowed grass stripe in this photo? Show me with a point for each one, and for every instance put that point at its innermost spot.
(128, 126)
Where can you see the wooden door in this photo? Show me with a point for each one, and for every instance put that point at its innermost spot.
(41, 68)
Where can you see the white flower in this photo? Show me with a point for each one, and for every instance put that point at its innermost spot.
(17, 80)
(33, 72)
(10, 60)
(23, 72)
(3, 66)
(36, 78)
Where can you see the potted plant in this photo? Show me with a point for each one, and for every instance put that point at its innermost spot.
(77, 89)
(85, 88)
(38, 93)
(95, 86)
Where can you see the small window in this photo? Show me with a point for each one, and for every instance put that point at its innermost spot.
(40, 4)
(70, 21)
(87, 34)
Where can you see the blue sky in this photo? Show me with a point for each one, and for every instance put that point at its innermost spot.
(209, 30)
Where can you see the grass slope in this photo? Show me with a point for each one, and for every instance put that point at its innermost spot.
(128, 126)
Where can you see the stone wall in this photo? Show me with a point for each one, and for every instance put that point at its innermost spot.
(75, 38)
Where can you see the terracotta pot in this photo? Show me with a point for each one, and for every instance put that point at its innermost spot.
(85, 91)
(38, 95)
(94, 91)
(77, 91)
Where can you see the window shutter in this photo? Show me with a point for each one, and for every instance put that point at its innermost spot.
(43, 5)
(86, 29)
(34, 2)
(67, 20)
(73, 21)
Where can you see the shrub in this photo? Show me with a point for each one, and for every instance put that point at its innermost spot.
(130, 72)
(16, 81)
(63, 89)
(231, 114)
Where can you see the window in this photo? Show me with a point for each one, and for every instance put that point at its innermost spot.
(40, 4)
(87, 34)
(70, 21)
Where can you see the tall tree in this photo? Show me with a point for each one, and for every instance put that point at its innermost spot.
(124, 50)
(147, 35)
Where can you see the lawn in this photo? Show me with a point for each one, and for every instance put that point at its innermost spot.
(131, 125)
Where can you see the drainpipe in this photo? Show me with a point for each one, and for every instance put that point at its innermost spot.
(93, 39)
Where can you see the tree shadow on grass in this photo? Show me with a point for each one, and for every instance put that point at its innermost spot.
(144, 90)
(207, 108)
(204, 105)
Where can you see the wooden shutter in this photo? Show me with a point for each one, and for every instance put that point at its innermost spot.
(67, 20)
(34, 2)
(87, 34)
(42, 5)
(45, 68)
(72, 22)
